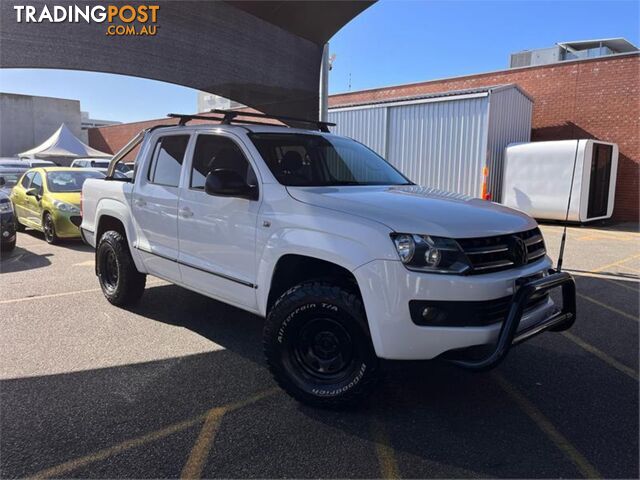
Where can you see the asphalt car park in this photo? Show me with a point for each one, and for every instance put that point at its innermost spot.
(177, 386)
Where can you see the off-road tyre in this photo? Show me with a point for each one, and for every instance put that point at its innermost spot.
(120, 281)
(19, 227)
(49, 229)
(8, 246)
(305, 328)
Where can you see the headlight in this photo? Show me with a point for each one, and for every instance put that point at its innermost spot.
(6, 207)
(426, 253)
(65, 207)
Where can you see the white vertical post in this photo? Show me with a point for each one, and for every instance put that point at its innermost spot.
(324, 85)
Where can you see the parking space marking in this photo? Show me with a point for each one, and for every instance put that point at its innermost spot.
(63, 294)
(628, 287)
(609, 278)
(71, 465)
(202, 447)
(88, 263)
(613, 264)
(608, 307)
(602, 356)
(67, 467)
(581, 463)
(384, 451)
(50, 295)
(200, 451)
(633, 269)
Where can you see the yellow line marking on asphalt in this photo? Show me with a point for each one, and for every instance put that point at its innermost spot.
(384, 451)
(88, 263)
(50, 295)
(202, 447)
(612, 362)
(613, 264)
(71, 465)
(633, 269)
(200, 451)
(608, 307)
(543, 423)
(61, 294)
(66, 467)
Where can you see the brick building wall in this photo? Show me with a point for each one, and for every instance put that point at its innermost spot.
(596, 98)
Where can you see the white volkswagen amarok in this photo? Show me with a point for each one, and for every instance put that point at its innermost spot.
(346, 258)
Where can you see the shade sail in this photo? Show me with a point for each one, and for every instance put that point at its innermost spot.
(264, 54)
(63, 144)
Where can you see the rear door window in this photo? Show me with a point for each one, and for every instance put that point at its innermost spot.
(214, 152)
(167, 159)
(37, 183)
(26, 180)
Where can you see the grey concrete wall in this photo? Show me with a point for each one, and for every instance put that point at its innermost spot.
(27, 121)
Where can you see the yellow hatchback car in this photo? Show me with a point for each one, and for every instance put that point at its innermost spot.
(48, 199)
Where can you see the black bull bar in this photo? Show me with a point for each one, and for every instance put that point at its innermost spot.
(509, 336)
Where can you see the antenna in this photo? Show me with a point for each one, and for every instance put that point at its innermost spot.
(566, 218)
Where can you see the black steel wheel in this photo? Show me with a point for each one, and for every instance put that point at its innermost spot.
(120, 281)
(49, 229)
(318, 347)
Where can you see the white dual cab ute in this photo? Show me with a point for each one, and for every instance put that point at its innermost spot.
(348, 261)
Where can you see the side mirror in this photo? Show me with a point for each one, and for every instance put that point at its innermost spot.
(32, 192)
(224, 182)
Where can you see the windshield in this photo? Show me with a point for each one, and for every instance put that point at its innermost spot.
(70, 181)
(313, 160)
(9, 179)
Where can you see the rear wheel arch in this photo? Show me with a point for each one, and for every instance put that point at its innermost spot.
(109, 222)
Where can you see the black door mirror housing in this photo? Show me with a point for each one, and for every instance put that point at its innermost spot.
(32, 192)
(224, 182)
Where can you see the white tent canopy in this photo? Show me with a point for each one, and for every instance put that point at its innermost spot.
(64, 146)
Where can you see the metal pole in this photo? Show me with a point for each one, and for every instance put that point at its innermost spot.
(324, 85)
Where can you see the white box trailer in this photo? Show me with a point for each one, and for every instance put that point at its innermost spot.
(537, 179)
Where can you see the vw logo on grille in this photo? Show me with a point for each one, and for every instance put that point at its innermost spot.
(518, 251)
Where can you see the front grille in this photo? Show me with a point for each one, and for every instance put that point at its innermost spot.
(502, 252)
(469, 314)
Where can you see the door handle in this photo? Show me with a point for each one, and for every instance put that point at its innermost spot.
(138, 202)
(185, 212)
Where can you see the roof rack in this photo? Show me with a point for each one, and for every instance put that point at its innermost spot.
(227, 117)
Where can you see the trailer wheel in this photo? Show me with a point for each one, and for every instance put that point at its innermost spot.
(318, 347)
(120, 281)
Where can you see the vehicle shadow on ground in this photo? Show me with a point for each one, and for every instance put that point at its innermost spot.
(437, 421)
(478, 428)
(75, 244)
(21, 259)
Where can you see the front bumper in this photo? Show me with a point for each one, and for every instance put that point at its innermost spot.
(64, 224)
(7, 228)
(387, 289)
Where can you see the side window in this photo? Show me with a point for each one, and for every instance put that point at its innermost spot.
(213, 152)
(166, 161)
(37, 183)
(26, 180)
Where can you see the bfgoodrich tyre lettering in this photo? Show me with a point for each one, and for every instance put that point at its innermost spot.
(318, 346)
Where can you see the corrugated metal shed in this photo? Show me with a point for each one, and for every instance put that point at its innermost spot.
(443, 140)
